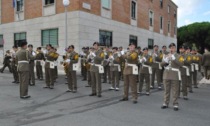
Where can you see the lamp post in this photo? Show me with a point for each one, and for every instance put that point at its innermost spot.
(66, 4)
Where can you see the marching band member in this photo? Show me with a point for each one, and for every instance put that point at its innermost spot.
(96, 69)
(31, 65)
(130, 72)
(72, 61)
(39, 60)
(107, 53)
(14, 64)
(114, 63)
(145, 71)
(171, 76)
(195, 63)
(185, 71)
(156, 67)
(50, 67)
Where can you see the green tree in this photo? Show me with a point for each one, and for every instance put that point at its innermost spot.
(195, 35)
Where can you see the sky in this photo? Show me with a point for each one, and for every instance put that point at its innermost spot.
(190, 11)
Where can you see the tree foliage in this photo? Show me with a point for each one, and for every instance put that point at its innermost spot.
(196, 35)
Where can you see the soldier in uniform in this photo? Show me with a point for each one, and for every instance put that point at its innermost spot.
(39, 58)
(131, 58)
(72, 79)
(140, 53)
(56, 64)
(107, 53)
(201, 70)
(164, 52)
(185, 71)
(83, 67)
(23, 57)
(114, 59)
(96, 63)
(31, 65)
(122, 63)
(6, 62)
(172, 76)
(206, 63)
(14, 65)
(87, 65)
(49, 67)
(156, 67)
(196, 61)
(145, 71)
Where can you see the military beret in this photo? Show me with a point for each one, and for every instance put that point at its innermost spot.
(15, 46)
(163, 46)
(139, 47)
(181, 47)
(39, 48)
(155, 46)
(132, 44)
(71, 46)
(115, 48)
(171, 45)
(145, 48)
(30, 45)
(23, 43)
(97, 43)
(87, 48)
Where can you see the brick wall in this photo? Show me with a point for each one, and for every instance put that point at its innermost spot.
(7, 11)
(121, 11)
(33, 9)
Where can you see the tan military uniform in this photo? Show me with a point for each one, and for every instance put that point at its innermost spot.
(161, 79)
(144, 73)
(94, 71)
(156, 68)
(201, 69)
(23, 70)
(49, 72)
(185, 73)
(56, 66)
(39, 59)
(72, 78)
(83, 65)
(106, 68)
(129, 77)
(114, 69)
(14, 64)
(206, 64)
(195, 61)
(31, 68)
(172, 79)
(87, 65)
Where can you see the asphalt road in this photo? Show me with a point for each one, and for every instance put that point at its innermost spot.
(58, 108)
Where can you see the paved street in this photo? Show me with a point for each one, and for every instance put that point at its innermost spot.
(58, 108)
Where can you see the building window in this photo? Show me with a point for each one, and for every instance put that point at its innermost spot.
(161, 3)
(105, 38)
(174, 14)
(161, 22)
(151, 16)
(50, 36)
(133, 39)
(106, 4)
(169, 26)
(47, 2)
(19, 5)
(169, 7)
(19, 38)
(1, 41)
(150, 43)
(133, 10)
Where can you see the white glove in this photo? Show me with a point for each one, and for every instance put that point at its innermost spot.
(122, 52)
(118, 54)
(145, 60)
(93, 54)
(111, 57)
(68, 60)
(33, 53)
(155, 54)
(166, 59)
(173, 57)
